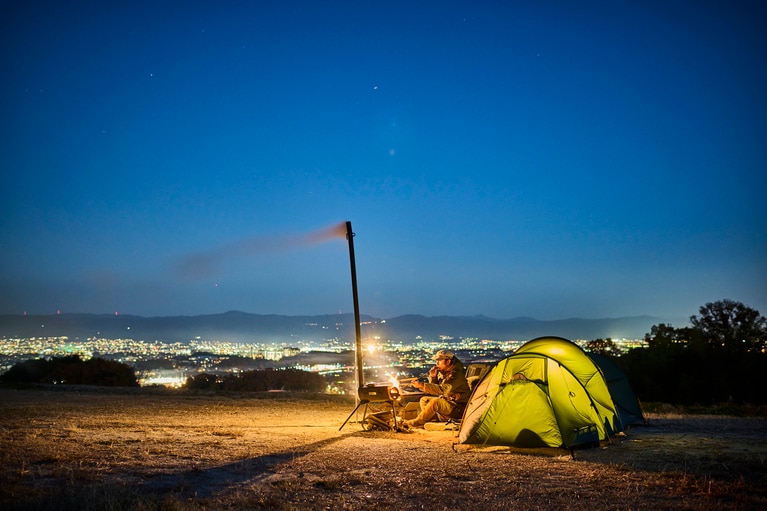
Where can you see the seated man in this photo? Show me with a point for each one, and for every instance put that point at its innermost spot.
(447, 388)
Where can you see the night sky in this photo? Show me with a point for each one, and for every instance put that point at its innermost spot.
(545, 160)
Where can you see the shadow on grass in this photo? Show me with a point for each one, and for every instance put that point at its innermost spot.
(206, 482)
(169, 491)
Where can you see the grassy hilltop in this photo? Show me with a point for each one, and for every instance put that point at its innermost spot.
(147, 449)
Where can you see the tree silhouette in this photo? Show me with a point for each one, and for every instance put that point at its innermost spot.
(721, 357)
(731, 326)
(603, 347)
(663, 337)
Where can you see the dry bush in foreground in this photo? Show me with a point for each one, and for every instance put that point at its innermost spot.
(147, 449)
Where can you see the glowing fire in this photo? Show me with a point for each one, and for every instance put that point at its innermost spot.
(394, 382)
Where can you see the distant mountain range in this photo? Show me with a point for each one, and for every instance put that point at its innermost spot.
(237, 326)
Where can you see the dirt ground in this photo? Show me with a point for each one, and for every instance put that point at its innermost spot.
(152, 449)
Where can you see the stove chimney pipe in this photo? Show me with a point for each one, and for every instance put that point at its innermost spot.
(357, 320)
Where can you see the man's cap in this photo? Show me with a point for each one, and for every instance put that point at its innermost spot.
(444, 355)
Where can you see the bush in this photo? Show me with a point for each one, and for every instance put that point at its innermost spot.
(72, 370)
(259, 381)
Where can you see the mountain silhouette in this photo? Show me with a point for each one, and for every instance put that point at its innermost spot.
(236, 326)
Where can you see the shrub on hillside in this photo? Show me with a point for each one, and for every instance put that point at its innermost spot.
(259, 381)
(72, 370)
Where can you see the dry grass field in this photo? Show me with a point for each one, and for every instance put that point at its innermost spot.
(150, 449)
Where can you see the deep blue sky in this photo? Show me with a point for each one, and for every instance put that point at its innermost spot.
(542, 159)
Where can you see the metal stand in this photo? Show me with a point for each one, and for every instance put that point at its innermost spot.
(372, 418)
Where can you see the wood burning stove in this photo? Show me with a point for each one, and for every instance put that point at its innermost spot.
(378, 393)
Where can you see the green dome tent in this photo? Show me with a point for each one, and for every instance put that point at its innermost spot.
(626, 403)
(549, 393)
